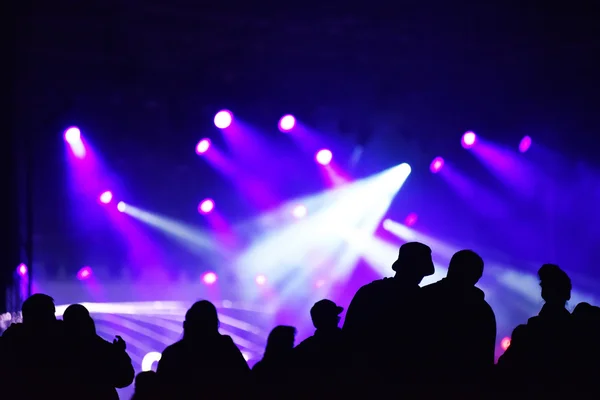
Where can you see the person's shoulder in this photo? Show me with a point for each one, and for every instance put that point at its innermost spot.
(175, 347)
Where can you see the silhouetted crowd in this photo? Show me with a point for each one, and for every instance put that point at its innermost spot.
(398, 340)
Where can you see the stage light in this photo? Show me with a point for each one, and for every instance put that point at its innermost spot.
(525, 144)
(411, 219)
(106, 197)
(260, 280)
(206, 206)
(84, 273)
(299, 211)
(149, 360)
(387, 224)
(468, 139)
(436, 165)
(209, 278)
(505, 343)
(121, 206)
(202, 146)
(287, 123)
(319, 283)
(223, 119)
(22, 269)
(324, 156)
(72, 135)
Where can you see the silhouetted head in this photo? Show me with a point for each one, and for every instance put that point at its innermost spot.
(466, 267)
(280, 342)
(146, 383)
(77, 320)
(201, 319)
(555, 283)
(39, 309)
(414, 262)
(325, 314)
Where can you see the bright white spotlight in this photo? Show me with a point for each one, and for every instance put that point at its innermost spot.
(72, 135)
(299, 211)
(202, 146)
(149, 359)
(324, 156)
(287, 123)
(121, 206)
(223, 119)
(260, 280)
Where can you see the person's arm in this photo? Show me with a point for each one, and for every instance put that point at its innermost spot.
(123, 372)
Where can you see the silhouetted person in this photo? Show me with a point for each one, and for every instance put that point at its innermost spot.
(146, 386)
(320, 359)
(460, 326)
(381, 322)
(541, 353)
(586, 319)
(98, 366)
(273, 374)
(204, 364)
(34, 350)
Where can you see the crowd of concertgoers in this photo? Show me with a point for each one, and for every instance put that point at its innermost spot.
(398, 340)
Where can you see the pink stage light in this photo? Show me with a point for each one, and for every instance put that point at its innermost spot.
(84, 273)
(260, 280)
(411, 219)
(319, 283)
(106, 197)
(202, 146)
(299, 211)
(287, 123)
(223, 119)
(22, 270)
(468, 139)
(505, 343)
(436, 165)
(525, 144)
(73, 135)
(121, 206)
(324, 157)
(209, 278)
(206, 206)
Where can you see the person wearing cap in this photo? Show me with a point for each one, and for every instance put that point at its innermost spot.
(320, 357)
(381, 321)
(460, 323)
(544, 350)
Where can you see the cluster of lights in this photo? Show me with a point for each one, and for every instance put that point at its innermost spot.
(468, 140)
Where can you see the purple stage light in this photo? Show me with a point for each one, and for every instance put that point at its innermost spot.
(202, 146)
(206, 206)
(436, 165)
(22, 270)
(324, 157)
(260, 280)
(299, 211)
(505, 343)
(106, 197)
(84, 273)
(209, 278)
(525, 144)
(223, 119)
(72, 135)
(121, 206)
(411, 219)
(287, 123)
(468, 139)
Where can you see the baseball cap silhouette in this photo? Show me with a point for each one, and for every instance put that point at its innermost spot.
(415, 255)
(325, 308)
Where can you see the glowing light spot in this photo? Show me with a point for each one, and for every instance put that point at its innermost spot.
(106, 197)
(260, 280)
(72, 135)
(436, 165)
(319, 283)
(525, 144)
(505, 343)
(149, 360)
(202, 146)
(299, 211)
(121, 206)
(223, 119)
(22, 269)
(84, 273)
(468, 139)
(209, 278)
(206, 206)
(287, 123)
(411, 219)
(387, 224)
(324, 156)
